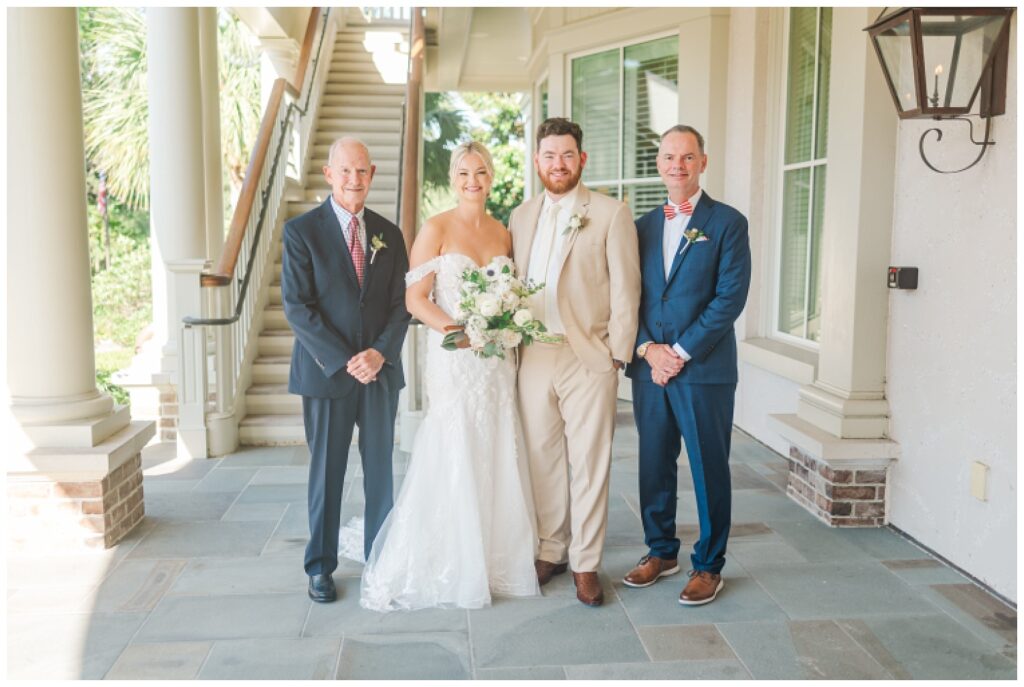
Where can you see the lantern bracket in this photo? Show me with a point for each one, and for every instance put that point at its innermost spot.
(938, 137)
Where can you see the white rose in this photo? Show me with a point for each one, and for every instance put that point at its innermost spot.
(523, 317)
(510, 339)
(488, 304)
(476, 323)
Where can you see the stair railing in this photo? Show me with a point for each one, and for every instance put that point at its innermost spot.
(208, 421)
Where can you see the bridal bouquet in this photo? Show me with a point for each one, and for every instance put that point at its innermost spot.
(493, 312)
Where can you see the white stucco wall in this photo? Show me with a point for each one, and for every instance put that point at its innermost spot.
(759, 394)
(951, 379)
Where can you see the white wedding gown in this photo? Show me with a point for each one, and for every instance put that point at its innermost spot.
(462, 527)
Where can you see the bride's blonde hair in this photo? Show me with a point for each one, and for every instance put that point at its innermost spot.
(465, 148)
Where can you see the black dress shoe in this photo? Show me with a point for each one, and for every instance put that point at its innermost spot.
(321, 589)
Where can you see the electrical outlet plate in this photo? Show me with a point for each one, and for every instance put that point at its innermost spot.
(979, 481)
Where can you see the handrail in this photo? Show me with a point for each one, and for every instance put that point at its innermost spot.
(221, 274)
(307, 47)
(410, 152)
(401, 140)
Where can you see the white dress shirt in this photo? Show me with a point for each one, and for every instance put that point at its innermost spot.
(345, 220)
(546, 258)
(670, 245)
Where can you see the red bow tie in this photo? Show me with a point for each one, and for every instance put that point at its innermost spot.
(672, 210)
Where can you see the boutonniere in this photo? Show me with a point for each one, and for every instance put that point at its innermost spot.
(576, 222)
(693, 236)
(376, 244)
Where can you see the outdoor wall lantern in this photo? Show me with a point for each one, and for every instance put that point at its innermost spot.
(937, 60)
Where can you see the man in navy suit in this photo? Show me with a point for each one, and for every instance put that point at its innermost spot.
(343, 286)
(695, 266)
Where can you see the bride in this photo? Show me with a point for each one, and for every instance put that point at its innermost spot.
(462, 527)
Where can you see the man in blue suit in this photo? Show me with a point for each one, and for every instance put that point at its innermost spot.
(695, 267)
(343, 286)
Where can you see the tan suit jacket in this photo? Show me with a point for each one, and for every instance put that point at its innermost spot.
(599, 283)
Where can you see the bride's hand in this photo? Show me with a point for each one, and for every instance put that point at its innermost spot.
(460, 341)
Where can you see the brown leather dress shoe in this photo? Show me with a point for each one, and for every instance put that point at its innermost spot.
(546, 570)
(702, 588)
(588, 588)
(649, 569)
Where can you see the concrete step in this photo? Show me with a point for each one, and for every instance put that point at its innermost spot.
(362, 76)
(350, 49)
(359, 124)
(357, 34)
(274, 342)
(372, 139)
(366, 99)
(364, 88)
(352, 111)
(271, 369)
(273, 315)
(272, 399)
(352, 64)
(272, 430)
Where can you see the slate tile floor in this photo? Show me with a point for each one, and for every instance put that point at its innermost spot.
(211, 586)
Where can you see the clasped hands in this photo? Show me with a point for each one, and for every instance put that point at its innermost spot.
(365, 366)
(665, 363)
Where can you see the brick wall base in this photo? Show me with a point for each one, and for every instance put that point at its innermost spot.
(837, 496)
(167, 419)
(46, 511)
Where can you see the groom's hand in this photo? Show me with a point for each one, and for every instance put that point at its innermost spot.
(365, 366)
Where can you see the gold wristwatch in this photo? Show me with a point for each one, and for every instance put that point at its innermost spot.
(641, 350)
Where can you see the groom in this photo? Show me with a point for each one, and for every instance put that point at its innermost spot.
(343, 287)
(695, 256)
(582, 245)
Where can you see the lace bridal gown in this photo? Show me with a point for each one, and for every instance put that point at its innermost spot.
(462, 526)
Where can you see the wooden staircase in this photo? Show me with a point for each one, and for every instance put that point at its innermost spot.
(358, 101)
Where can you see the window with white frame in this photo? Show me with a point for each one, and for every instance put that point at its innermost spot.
(804, 146)
(625, 98)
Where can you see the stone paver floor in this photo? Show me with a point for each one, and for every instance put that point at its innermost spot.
(211, 586)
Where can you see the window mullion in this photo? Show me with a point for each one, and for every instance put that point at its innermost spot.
(622, 116)
(810, 203)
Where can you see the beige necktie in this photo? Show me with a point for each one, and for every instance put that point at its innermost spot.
(549, 221)
(552, 220)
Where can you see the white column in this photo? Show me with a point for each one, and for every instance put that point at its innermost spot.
(847, 399)
(177, 179)
(558, 67)
(703, 83)
(211, 132)
(51, 366)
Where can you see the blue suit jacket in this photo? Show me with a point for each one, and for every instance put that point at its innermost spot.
(332, 317)
(704, 293)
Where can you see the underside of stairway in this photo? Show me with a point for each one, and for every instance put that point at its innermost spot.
(363, 98)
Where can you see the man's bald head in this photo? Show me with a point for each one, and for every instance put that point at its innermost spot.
(345, 142)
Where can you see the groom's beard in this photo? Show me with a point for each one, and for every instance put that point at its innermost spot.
(564, 186)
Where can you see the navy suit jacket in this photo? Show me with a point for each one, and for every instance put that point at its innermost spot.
(332, 317)
(704, 293)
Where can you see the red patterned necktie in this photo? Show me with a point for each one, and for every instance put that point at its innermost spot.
(671, 210)
(356, 248)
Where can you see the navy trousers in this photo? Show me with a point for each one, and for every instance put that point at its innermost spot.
(702, 415)
(329, 423)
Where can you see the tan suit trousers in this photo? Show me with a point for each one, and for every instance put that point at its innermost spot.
(568, 415)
